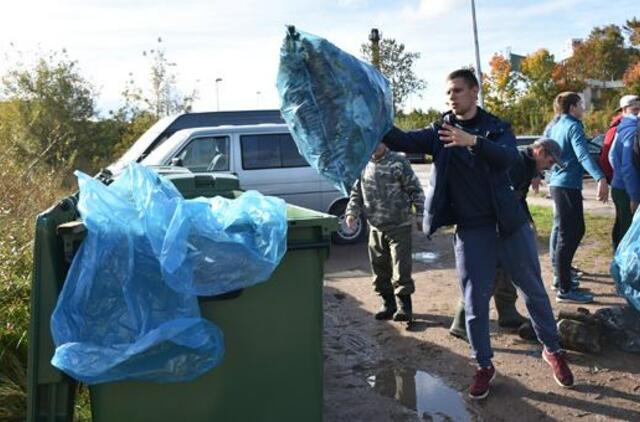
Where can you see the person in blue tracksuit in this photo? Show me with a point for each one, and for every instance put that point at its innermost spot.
(566, 191)
(469, 187)
(625, 185)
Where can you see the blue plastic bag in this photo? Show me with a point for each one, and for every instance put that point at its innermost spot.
(625, 267)
(337, 107)
(242, 239)
(117, 317)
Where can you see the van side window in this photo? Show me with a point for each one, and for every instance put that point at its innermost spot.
(273, 150)
(209, 153)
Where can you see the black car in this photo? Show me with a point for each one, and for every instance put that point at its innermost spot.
(595, 146)
(525, 140)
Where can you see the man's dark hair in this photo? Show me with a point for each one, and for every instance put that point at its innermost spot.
(467, 74)
(565, 100)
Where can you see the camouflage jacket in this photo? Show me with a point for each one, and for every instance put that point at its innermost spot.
(385, 192)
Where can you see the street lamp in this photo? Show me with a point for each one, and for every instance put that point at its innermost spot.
(258, 98)
(218, 80)
(475, 39)
(374, 37)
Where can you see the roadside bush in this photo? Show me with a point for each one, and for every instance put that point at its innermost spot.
(21, 199)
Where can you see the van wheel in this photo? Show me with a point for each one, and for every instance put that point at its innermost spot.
(344, 236)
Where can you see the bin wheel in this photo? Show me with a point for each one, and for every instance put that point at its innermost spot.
(345, 236)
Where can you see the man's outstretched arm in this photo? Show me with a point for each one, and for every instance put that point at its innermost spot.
(415, 141)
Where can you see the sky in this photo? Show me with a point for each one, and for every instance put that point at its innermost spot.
(238, 41)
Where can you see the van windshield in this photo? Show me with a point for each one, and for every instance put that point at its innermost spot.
(159, 155)
(144, 141)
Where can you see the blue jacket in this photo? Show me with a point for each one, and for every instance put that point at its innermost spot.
(626, 175)
(569, 133)
(496, 145)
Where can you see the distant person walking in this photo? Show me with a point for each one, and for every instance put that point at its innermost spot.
(566, 192)
(625, 186)
(385, 194)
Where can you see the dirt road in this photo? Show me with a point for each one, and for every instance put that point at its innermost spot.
(379, 371)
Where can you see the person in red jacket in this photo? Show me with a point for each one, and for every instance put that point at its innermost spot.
(609, 137)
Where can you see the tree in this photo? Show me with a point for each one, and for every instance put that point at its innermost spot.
(632, 29)
(536, 107)
(537, 69)
(163, 98)
(632, 78)
(396, 65)
(417, 119)
(602, 56)
(48, 111)
(500, 87)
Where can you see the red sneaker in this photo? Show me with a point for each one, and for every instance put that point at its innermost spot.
(481, 383)
(561, 371)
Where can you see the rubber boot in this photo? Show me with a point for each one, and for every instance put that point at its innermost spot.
(388, 308)
(508, 315)
(505, 296)
(526, 332)
(458, 327)
(405, 313)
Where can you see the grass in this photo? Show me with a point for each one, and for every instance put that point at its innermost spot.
(597, 239)
(21, 199)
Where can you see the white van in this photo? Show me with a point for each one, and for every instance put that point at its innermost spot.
(265, 158)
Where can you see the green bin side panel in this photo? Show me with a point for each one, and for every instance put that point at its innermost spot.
(50, 393)
(272, 369)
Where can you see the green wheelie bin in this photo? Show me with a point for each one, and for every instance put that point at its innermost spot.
(272, 368)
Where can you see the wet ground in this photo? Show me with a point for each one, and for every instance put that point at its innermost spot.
(380, 371)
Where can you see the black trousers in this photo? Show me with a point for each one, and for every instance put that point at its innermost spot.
(567, 232)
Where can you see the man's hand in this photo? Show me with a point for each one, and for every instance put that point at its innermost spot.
(603, 190)
(419, 224)
(351, 222)
(535, 184)
(454, 137)
(634, 207)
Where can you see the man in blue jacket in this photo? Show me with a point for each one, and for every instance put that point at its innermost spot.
(566, 192)
(625, 185)
(470, 188)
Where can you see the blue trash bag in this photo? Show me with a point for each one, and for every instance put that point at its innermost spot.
(117, 318)
(243, 239)
(625, 267)
(337, 107)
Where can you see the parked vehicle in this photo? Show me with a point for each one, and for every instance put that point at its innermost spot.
(167, 126)
(526, 140)
(416, 158)
(595, 146)
(262, 155)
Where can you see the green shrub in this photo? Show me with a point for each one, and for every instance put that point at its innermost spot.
(21, 199)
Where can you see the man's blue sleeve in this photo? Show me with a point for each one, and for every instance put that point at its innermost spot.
(500, 154)
(415, 141)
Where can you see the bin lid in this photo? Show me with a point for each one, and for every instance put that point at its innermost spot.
(304, 217)
(192, 185)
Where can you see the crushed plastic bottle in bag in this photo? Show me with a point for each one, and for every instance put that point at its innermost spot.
(337, 107)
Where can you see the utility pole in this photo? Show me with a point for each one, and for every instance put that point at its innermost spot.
(218, 80)
(475, 39)
(374, 37)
